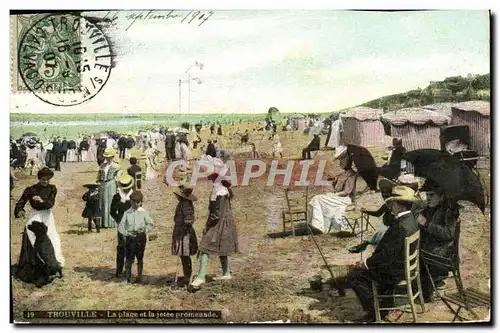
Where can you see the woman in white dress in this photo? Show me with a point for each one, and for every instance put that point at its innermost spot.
(41, 198)
(325, 211)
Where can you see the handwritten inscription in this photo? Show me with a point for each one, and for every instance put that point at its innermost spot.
(191, 17)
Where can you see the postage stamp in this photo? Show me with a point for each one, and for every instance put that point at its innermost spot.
(64, 59)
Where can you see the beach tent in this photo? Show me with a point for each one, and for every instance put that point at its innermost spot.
(476, 115)
(362, 127)
(417, 127)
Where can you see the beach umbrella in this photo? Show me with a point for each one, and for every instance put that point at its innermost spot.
(450, 173)
(365, 163)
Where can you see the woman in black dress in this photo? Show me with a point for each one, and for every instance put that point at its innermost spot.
(41, 197)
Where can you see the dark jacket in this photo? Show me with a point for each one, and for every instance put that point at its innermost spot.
(92, 208)
(438, 235)
(71, 144)
(47, 193)
(118, 208)
(64, 146)
(392, 170)
(84, 145)
(386, 264)
(135, 172)
(315, 144)
(130, 143)
(122, 142)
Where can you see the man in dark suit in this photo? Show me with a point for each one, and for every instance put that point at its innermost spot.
(64, 149)
(386, 265)
(392, 169)
(122, 145)
(170, 146)
(313, 146)
(135, 172)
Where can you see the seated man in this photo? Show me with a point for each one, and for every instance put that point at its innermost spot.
(437, 226)
(392, 169)
(385, 185)
(386, 265)
(313, 146)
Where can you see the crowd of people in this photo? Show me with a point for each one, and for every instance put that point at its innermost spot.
(115, 201)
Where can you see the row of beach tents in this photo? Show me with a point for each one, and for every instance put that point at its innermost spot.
(418, 127)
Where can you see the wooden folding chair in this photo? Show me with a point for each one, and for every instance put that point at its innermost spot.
(412, 274)
(296, 208)
(355, 218)
(462, 298)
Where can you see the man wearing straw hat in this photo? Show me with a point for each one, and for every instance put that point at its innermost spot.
(385, 185)
(106, 178)
(386, 264)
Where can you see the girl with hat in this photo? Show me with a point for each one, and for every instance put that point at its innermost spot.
(184, 241)
(106, 178)
(41, 198)
(219, 236)
(91, 211)
(119, 205)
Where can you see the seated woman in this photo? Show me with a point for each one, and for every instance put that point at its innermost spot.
(437, 226)
(325, 211)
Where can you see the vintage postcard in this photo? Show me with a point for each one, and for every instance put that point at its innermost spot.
(257, 166)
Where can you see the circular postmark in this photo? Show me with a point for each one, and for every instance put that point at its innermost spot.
(64, 59)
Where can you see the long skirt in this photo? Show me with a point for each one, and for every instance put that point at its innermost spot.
(184, 242)
(46, 217)
(71, 155)
(92, 153)
(325, 212)
(83, 156)
(221, 239)
(107, 190)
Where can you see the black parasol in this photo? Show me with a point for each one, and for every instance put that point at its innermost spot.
(364, 162)
(453, 176)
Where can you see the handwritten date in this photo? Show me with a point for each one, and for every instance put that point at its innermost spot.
(193, 16)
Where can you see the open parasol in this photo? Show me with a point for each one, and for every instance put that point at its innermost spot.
(450, 173)
(365, 163)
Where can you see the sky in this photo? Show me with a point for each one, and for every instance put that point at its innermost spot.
(297, 61)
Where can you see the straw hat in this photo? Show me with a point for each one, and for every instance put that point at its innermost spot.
(403, 193)
(125, 182)
(109, 152)
(185, 191)
(340, 152)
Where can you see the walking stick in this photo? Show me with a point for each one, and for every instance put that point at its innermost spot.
(320, 252)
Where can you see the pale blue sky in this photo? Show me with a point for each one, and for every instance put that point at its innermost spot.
(298, 61)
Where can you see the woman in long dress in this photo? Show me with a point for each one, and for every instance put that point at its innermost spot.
(107, 179)
(92, 152)
(219, 236)
(41, 198)
(325, 211)
(151, 163)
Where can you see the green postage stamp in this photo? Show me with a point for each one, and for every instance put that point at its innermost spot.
(64, 59)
